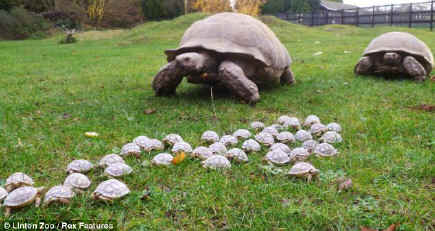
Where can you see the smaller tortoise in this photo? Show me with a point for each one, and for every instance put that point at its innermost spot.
(17, 180)
(396, 53)
(59, 193)
(110, 190)
(22, 197)
(232, 50)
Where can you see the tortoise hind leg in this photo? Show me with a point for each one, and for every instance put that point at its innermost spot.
(168, 78)
(414, 68)
(287, 78)
(233, 77)
(364, 66)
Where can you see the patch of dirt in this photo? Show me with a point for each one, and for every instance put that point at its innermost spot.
(424, 107)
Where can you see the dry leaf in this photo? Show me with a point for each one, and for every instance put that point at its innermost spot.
(346, 185)
(390, 228)
(149, 111)
(367, 229)
(91, 134)
(179, 158)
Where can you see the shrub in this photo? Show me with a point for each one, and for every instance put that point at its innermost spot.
(159, 9)
(251, 7)
(212, 6)
(121, 13)
(20, 23)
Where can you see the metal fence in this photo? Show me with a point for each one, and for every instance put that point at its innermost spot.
(411, 15)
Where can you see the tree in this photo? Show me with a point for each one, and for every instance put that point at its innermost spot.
(295, 6)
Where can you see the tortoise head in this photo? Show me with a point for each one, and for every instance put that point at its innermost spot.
(392, 58)
(196, 62)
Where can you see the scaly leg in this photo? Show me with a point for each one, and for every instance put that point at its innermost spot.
(168, 78)
(233, 78)
(287, 77)
(364, 66)
(414, 68)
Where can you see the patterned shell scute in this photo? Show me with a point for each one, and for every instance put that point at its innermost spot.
(401, 42)
(335, 127)
(318, 129)
(171, 139)
(302, 168)
(57, 192)
(299, 154)
(130, 148)
(153, 144)
(251, 146)
(210, 137)
(3, 193)
(118, 169)
(181, 147)
(325, 150)
(20, 196)
(283, 119)
(162, 159)
(303, 135)
(257, 125)
(265, 138)
(79, 166)
(110, 159)
(281, 146)
(141, 141)
(286, 137)
(277, 157)
(216, 161)
(271, 130)
(228, 140)
(331, 137)
(77, 180)
(310, 145)
(242, 134)
(237, 154)
(112, 189)
(218, 148)
(19, 178)
(235, 34)
(292, 122)
(202, 152)
(310, 120)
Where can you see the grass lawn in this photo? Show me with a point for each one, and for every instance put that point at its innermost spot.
(51, 94)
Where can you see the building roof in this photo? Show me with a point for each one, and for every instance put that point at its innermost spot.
(335, 6)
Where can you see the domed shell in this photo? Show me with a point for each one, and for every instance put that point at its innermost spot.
(118, 169)
(153, 144)
(237, 154)
(331, 137)
(18, 179)
(257, 125)
(299, 154)
(162, 159)
(303, 135)
(334, 127)
(271, 130)
(251, 146)
(112, 189)
(302, 169)
(310, 120)
(3, 193)
(181, 147)
(171, 139)
(281, 146)
(228, 140)
(277, 157)
(216, 161)
(77, 180)
(210, 137)
(310, 145)
(325, 150)
(318, 129)
(81, 166)
(293, 123)
(202, 152)
(141, 141)
(218, 148)
(234, 34)
(242, 134)
(265, 138)
(286, 137)
(58, 192)
(130, 149)
(283, 119)
(21, 196)
(402, 42)
(110, 159)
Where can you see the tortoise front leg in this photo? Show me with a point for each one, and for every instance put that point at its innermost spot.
(287, 78)
(168, 78)
(414, 68)
(364, 66)
(233, 77)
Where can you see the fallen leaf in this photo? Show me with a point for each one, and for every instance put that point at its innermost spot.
(425, 107)
(432, 78)
(149, 111)
(318, 53)
(91, 134)
(66, 115)
(345, 185)
(392, 227)
(367, 229)
(179, 158)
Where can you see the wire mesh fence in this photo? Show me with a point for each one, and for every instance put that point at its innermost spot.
(411, 15)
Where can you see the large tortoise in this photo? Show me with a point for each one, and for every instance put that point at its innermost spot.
(396, 53)
(232, 50)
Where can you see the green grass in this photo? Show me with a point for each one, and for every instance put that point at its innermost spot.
(52, 94)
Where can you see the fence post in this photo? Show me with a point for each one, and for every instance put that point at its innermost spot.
(373, 16)
(410, 15)
(391, 14)
(312, 18)
(431, 16)
(327, 17)
(357, 17)
(342, 17)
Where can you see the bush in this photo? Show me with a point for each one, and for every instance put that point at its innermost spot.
(20, 23)
(162, 9)
(6, 5)
(122, 13)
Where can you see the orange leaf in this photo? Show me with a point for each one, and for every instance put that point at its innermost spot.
(179, 158)
(367, 229)
(392, 227)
